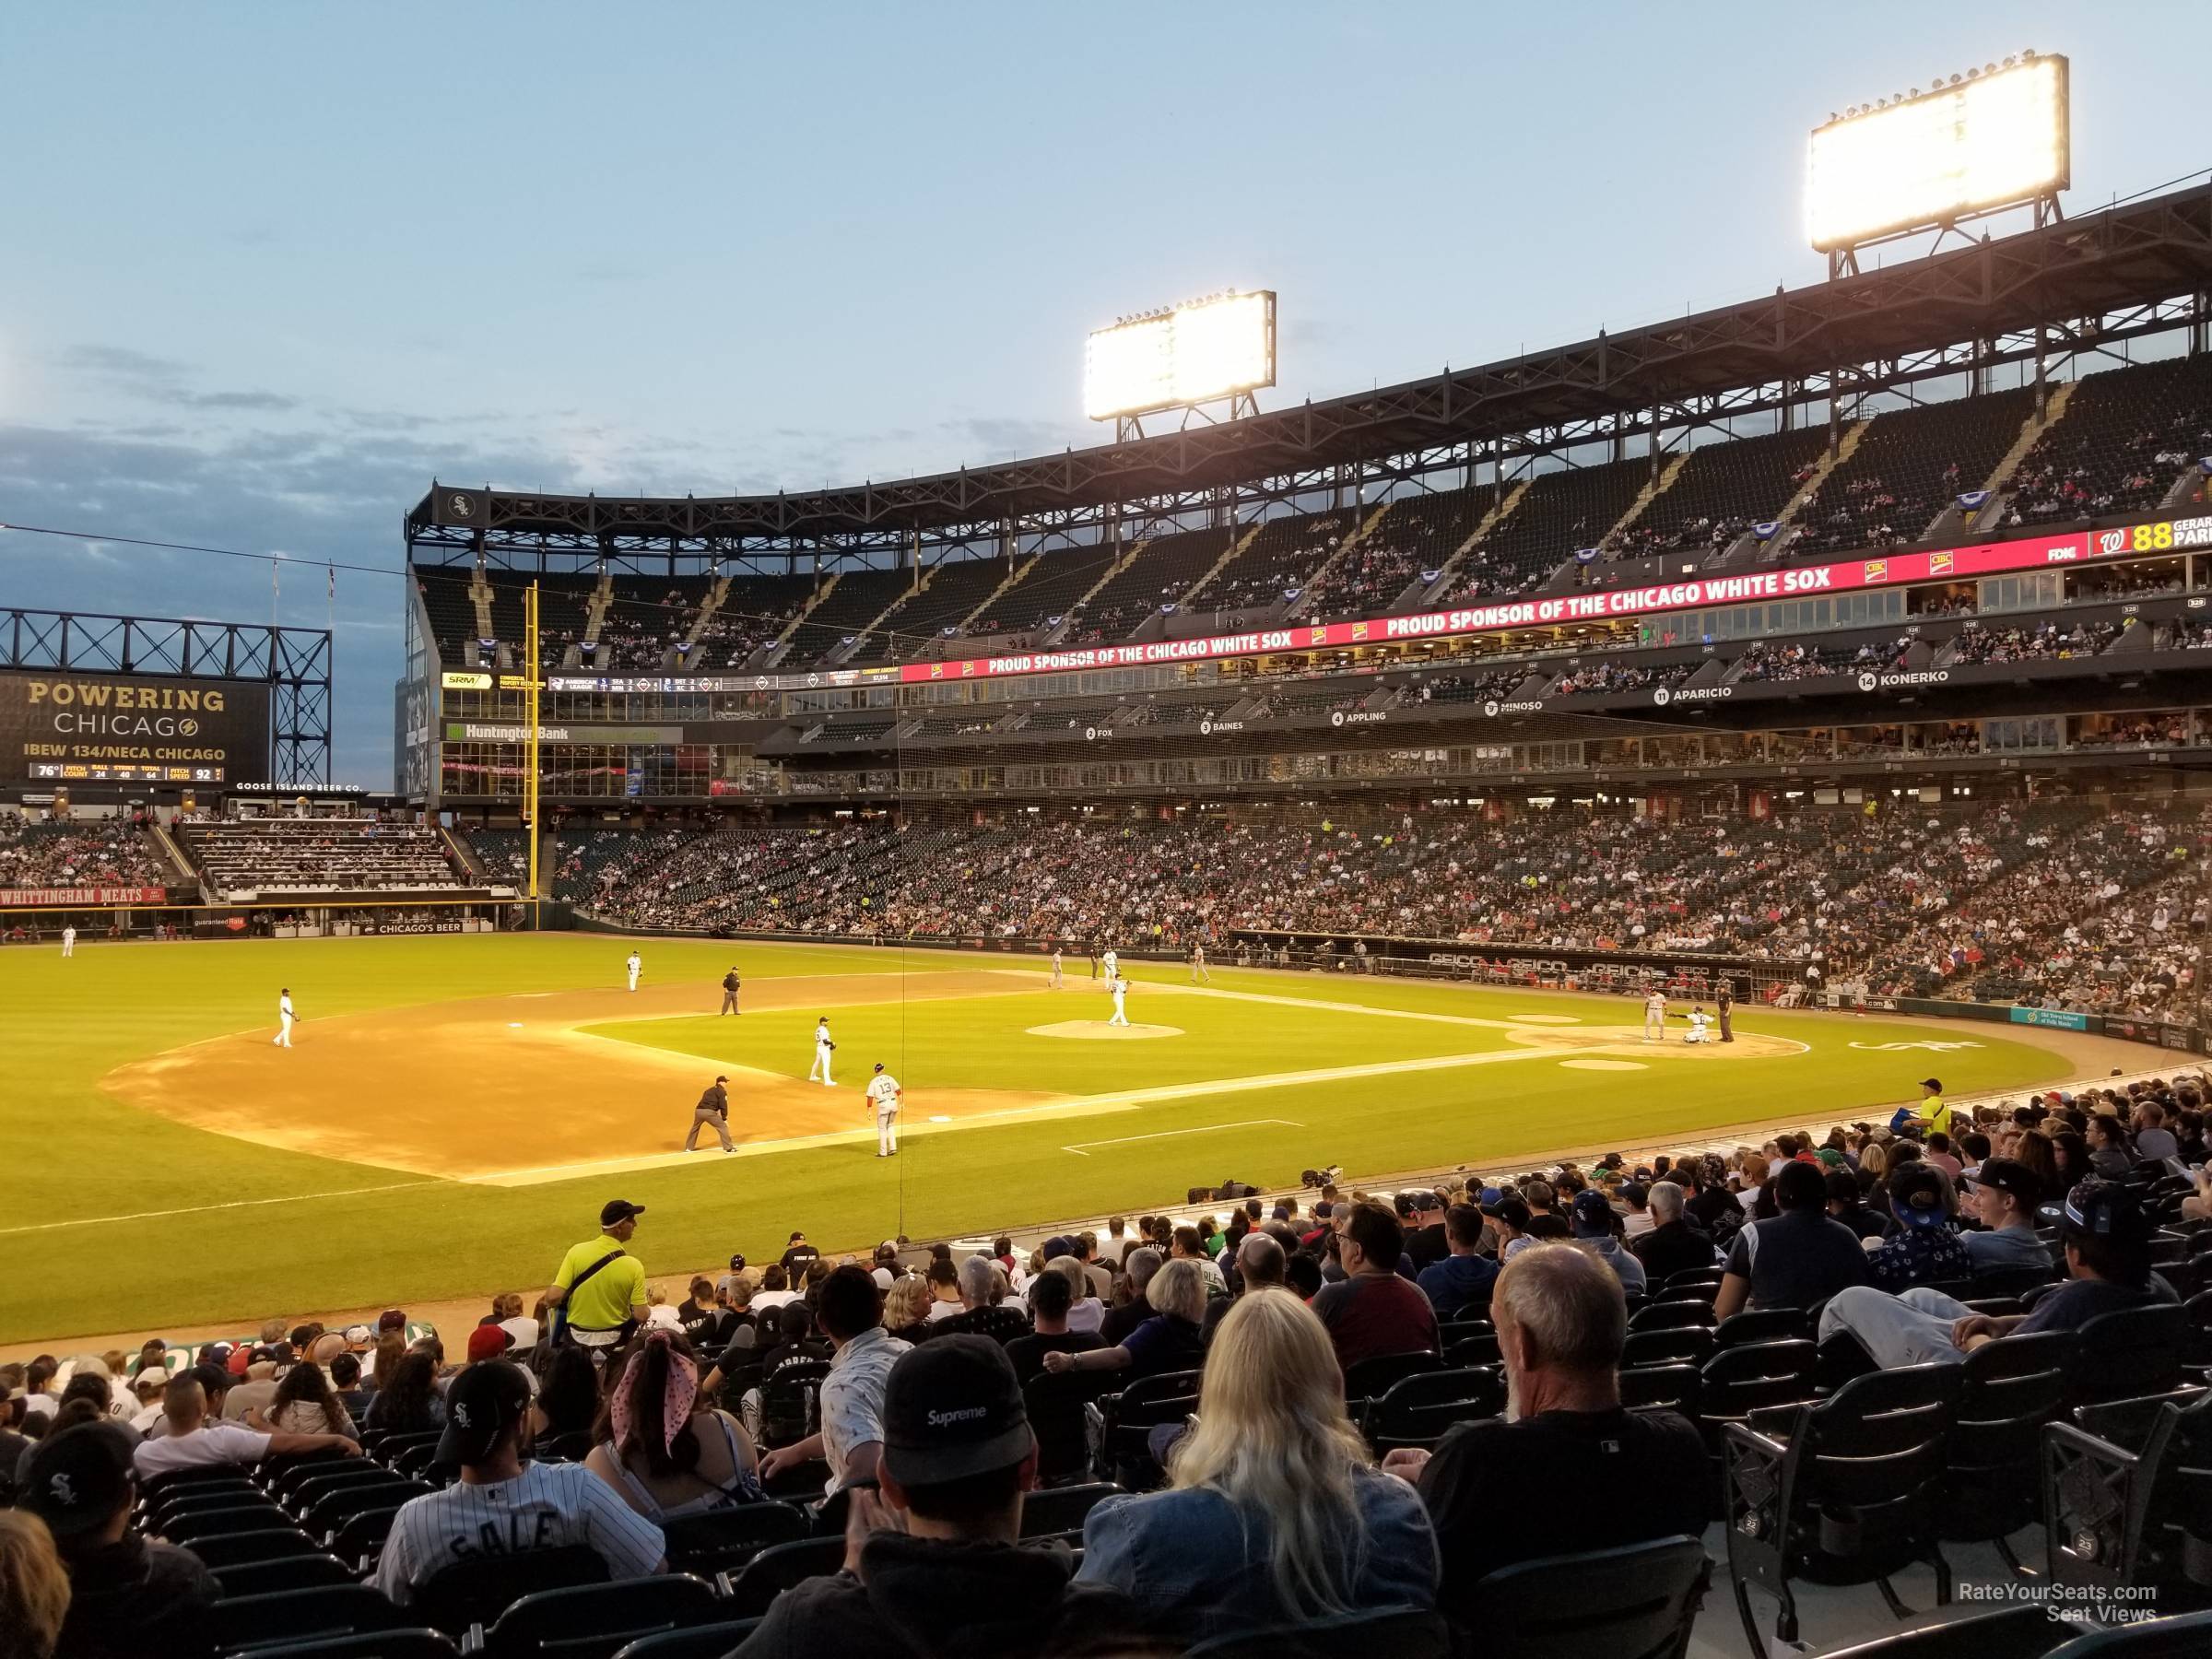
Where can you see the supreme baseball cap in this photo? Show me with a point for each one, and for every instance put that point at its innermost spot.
(953, 1408)
(481, 1404)
(616, 1211)
(77, 1478)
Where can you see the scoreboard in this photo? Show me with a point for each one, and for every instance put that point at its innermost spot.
(67, 726)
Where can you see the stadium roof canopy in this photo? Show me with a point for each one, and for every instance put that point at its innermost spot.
(2067, 286)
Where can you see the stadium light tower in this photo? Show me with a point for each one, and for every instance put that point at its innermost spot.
(1218, 350)
(1980, 142)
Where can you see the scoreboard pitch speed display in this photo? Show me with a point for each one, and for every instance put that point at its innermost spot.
(121, 728)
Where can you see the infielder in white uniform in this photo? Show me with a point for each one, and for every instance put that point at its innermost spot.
(1654, 1018)
(1055, 966)
(823, 1049)
(1199, 976)
(284, 1018)
(69, 940)
(1697, 1019)
(634, 965)
(1112, 965)
(884, 1095)
(1120, 1015)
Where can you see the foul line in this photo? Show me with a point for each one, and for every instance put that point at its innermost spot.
(1166, 1134)
(200, 1209)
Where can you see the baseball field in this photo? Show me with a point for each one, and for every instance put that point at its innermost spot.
(455, 1110)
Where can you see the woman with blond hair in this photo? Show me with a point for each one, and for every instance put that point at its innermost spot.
(906, 1307)
(1274, 1511)
(1168, 1341)
(34, 1589)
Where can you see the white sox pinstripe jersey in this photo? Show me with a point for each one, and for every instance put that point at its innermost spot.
(546, 1507)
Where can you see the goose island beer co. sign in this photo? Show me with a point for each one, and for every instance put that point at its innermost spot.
(86, 727)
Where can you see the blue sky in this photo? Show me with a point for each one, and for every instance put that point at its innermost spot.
(269, 268)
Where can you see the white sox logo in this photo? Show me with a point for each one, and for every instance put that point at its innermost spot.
(1933, 1046)
(461, 506)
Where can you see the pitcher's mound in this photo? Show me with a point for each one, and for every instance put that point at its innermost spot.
(1097, 1031)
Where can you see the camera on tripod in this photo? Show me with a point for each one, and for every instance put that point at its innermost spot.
(1322, 1177)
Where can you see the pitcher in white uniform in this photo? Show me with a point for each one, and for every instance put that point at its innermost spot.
(823, 1049)
(284, 1018)
(1120, 1015)
(634, 965)
(884, 1095)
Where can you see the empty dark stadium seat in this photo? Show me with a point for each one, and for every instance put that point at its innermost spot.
(591, 1621)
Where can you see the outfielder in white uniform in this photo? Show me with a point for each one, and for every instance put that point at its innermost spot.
(823, 1049)
(284, 1018)
(1654, 1018)
(1697, 1019)
(884, 1095)
(634, 965)
(1120, 1015)
(69, 940)
(1055, 967)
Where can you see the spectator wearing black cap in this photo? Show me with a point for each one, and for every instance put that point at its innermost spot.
(2005, 1197)
(1570, 1470)
(1676, 1243)
(933, 1566)
(1593, 1219)
(1509, 1218)
(2107, 1239)
(1372, 1310)
(1426, 1239)
(599, 1286)
(1464, 1278)
(1050, 1297)
(1924, 1250)
(127, 1595)
(502, 1506)
(1847, 1204)
(1798, 1258)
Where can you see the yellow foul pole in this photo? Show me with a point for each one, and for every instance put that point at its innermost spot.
(530, 749)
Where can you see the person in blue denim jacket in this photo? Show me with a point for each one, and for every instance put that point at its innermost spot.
(1274, 1511)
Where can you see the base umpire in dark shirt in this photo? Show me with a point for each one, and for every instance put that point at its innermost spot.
(712, 1113)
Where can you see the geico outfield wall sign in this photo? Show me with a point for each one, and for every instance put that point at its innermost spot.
(66, 721)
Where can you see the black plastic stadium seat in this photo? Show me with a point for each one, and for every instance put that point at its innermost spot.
(247, 1621)
(700, 1641)
(373, 1644)
(235, 1518)
(272, 1544)
(1637, 1602)
(727, 1538)
(1376, 1375)
(2187, 1636)
(1063, 1508)
(776, 1569)
(1401, 1632)
(476, 1592)
(590, 1620)
(286, 1572)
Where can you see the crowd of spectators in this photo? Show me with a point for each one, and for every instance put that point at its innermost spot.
(1979, 643)
(926, 1399)
(286, 856)
(43, 853)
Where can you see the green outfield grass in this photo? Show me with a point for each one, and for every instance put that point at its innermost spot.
(115, 1217)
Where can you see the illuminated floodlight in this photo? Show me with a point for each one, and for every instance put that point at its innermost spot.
(1189, 353)
(1993, 140)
